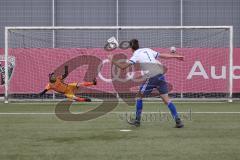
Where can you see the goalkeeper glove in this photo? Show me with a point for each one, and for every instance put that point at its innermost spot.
(94, 81)
(42, 93)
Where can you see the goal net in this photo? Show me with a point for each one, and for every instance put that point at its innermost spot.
(205, 72)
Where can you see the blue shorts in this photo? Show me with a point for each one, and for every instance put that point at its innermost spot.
(157, 82)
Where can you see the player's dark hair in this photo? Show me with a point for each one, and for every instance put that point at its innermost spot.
(134, 44)
(51, 74)
(51, 80)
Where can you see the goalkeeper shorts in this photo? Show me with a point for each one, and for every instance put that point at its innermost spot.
(70, 91)
(70, 96)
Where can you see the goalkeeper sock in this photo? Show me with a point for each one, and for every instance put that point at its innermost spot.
(87, 84)
(173, 110)
(80, 99)
(139, 106)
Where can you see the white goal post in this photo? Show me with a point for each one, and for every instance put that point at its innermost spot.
(145, 29)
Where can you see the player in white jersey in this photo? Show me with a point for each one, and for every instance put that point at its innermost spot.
(154, 78)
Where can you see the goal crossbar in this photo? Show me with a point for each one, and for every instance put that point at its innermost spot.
(114, 27)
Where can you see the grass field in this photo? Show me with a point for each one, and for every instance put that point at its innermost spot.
(26, 134)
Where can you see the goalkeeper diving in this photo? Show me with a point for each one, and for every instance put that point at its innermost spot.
(57, 84)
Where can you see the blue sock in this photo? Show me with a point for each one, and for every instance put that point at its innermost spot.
(139, 106)
(173, 110)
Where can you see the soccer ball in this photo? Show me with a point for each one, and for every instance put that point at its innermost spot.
(111, 44)
(173, 49)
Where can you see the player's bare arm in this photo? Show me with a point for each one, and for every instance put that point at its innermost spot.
(169, 56)
(121, 65)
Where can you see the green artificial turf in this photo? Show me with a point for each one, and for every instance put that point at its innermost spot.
(43, 136)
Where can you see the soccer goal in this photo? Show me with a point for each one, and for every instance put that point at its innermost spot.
(205, 73)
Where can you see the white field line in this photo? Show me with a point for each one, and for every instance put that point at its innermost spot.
(52, 113)
(121, 102)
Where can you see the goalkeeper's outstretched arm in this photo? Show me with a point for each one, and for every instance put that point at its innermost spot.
(65, 72)
(93, 83)
(43, 92)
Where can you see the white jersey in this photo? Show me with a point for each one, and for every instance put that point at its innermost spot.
(144, 55)
(147, 58)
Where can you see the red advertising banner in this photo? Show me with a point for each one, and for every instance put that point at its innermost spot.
(203, 69)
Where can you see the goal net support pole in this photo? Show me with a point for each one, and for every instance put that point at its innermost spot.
(230, 64)
(6, 66)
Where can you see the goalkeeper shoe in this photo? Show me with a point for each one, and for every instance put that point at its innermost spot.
(94, 81)
(179, 123)
(88, 100)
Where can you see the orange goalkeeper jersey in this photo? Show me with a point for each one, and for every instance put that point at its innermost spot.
(58, 86)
